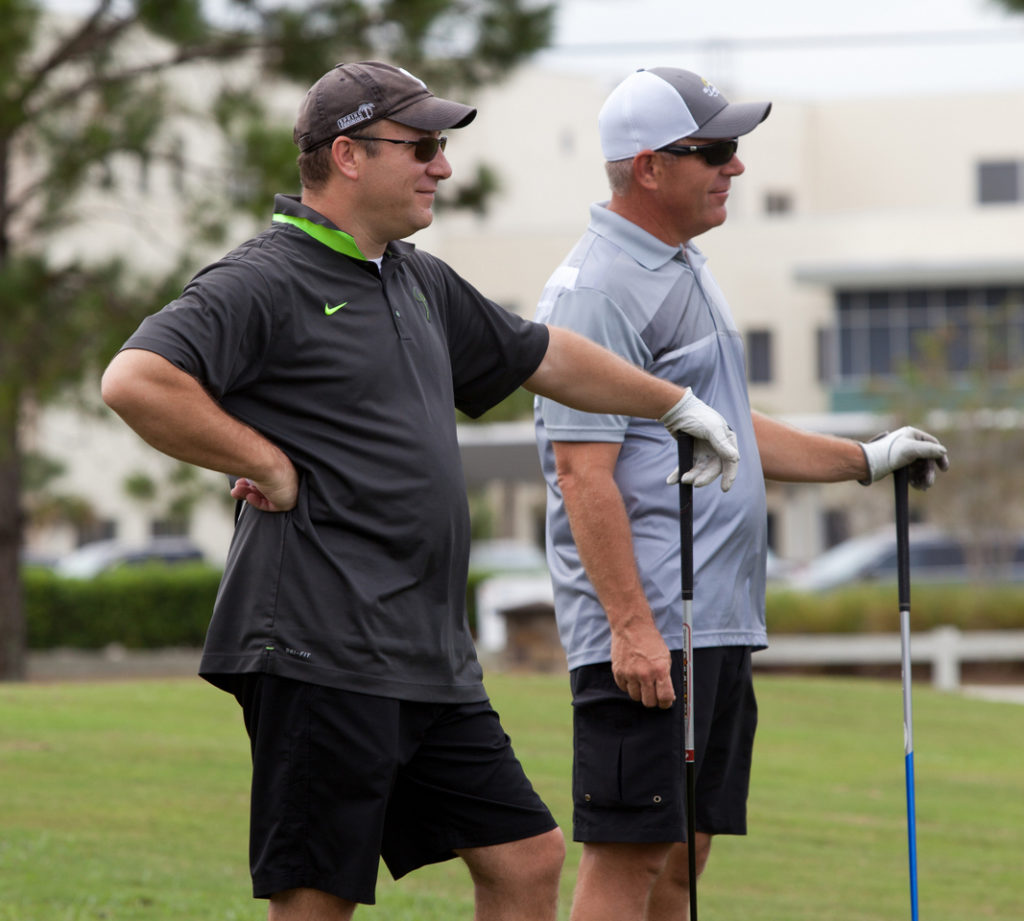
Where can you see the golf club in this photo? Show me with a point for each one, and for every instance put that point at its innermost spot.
(900, 479)
(686, 556)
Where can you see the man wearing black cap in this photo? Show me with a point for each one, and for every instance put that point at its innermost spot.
(637, 285)
(319, 364)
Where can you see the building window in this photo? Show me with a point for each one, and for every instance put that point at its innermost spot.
(835, 524)
(169, 527)
(825, 354)
(880, 332)
(999, 182)
(778, 203)
(759, 356)
(100, 529)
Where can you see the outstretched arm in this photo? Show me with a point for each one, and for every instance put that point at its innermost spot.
(579, 373)
(793, 455)
(171, 411)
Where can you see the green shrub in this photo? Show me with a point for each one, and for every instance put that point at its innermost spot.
(875, 609)
(156, 606)
(145, 607)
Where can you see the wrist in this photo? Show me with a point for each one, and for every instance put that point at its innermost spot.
(670, 419)
(868, 479)
(872, 460)
(625, 625)
(270, 464)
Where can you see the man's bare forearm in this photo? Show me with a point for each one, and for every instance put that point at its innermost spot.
(793, 455)
(641, 662)
(172, 412)
(579, 373)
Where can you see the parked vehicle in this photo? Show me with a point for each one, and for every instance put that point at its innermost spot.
(777, 568)
(503, 556)
(102, 555)
(935, 556)
(34, 558)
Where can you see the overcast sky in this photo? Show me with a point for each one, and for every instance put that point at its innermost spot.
(800, 48)
(791, 48)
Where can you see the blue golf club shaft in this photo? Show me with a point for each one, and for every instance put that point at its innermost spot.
(900, 479)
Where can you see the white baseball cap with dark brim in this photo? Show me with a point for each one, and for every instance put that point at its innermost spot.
(653, 108)
(351, 96)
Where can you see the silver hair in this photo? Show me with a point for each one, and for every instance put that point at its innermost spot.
(620, 175)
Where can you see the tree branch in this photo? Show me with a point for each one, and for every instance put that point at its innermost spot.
(219, 50)
(83, 41)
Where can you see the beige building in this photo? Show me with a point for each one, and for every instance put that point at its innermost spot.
(857, 225)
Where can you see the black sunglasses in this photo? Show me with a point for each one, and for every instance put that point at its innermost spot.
(423, 149)
(717, 154)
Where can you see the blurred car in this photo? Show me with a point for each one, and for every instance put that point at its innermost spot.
(519, 556)
(36, 558)
(103, 555)
(776, 568)
(506, 556)
(935, 556)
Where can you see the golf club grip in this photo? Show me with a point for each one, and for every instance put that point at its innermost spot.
(685, 443)
(900, 480)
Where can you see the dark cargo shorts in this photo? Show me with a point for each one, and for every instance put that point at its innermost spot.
(629, 780)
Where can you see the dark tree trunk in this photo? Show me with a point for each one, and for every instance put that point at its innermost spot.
(13, 633)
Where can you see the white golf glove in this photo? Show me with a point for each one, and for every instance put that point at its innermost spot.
(714, 449)
(906, 447)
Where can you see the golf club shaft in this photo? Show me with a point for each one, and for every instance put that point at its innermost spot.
(900, 479)
(686, 558)
(685, 443)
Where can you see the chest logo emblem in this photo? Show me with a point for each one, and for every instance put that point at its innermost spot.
(329, 310)
(421, 297)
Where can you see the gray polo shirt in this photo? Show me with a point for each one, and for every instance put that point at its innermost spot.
(355, 374)
(659, 307)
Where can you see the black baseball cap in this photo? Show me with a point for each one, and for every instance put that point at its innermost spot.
(354, 95)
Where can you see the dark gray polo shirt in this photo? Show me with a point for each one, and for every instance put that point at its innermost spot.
(354, 374)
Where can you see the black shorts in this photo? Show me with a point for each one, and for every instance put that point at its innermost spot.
(629, 779)
(341, 779)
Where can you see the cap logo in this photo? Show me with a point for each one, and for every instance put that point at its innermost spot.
(709, 89)
(362, 114)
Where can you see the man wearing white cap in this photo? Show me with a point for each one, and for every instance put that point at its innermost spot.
(637, 284)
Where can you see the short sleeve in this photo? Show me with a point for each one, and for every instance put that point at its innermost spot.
(492, 350)
(592, 314)
(218, 330)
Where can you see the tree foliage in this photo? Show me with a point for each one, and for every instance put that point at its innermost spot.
(977, 414)
(82, 98)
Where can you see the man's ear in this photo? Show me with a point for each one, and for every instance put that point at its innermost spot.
(345, 158)
(646, 169)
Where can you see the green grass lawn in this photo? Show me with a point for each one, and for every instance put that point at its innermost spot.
(129, 801)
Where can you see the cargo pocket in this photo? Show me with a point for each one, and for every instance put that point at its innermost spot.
(629, 757)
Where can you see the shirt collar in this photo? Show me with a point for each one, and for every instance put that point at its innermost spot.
(636, 242)
(289, 209)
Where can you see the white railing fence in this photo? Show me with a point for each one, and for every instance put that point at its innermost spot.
(943, 648)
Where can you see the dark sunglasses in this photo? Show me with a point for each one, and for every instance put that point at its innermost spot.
(423, 149)
(717, 154)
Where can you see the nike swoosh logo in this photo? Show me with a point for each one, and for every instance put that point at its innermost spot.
(328, 309)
